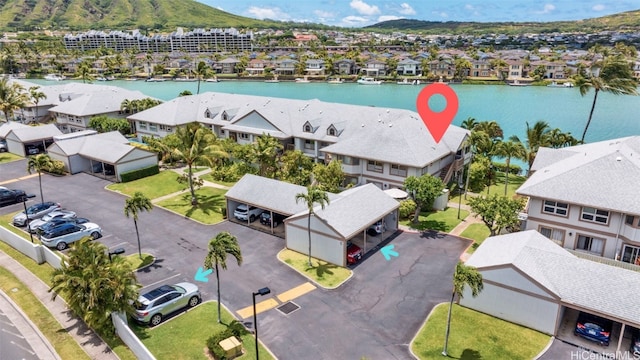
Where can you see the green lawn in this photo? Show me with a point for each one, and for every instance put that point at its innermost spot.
(9, 157)
(475, 335)
(209, 177)
(153, 187)
(497, 187)
(135, 261)
(208, 211)
(185, 336)
(325, 274)
(443, 221)
(477, 232)
(195, 169)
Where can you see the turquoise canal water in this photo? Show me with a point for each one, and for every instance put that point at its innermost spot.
(511, 107)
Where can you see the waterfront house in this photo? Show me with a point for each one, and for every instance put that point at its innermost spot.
(408, 67)
(314, 67)
(344, 67)
(374, 68)
(584, 198)
(375, 145)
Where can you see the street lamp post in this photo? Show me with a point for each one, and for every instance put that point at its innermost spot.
(262, 292)
(24, 203)
(117, 251)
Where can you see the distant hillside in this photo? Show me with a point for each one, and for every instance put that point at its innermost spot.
(117, 14)
(622, 21)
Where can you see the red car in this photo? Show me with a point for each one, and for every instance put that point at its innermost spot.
(354, 253)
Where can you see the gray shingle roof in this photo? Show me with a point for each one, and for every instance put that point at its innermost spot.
(601, 288)
(6, 127)
(97, 102)
(602, 175)
(35, 133)
(390, 135)
(106, 147)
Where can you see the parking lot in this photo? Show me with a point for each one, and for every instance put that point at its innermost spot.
(374, 315)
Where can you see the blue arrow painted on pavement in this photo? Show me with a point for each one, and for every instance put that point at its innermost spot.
(201, 275)
(388, 252)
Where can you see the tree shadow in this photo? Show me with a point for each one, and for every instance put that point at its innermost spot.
(207, 204)
(470, 354)
(432, 234)
(322, 269)
(155, 265)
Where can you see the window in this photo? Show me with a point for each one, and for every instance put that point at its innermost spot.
(331, 132)
(165, 128)
(309, 144)
(373, 165)
(225, 116)
(244, 136)
(554, 207)
(631, 220)
(555, 235)
(307, 128)
(425, 170)
(142, 125)
(153, 127)
(595, 215)
(590, 244)
(398, 170)
(631, 254)
(348, 160)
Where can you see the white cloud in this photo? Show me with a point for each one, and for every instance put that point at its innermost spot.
(547, 9)
(469, 7)
(364, 8)
(354, 20)
(406, 9)
(598, 7)
(388, 17)
(323, 14)
(441, 14)
(268, 13)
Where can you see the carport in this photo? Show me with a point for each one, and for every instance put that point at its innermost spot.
(532, 281)
(345, 218)
(20, 139)
(107, 154)
(277, 197)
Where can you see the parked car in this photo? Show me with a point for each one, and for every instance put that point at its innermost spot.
(61, 236)
(56, 214)
(635, 342)
(378, 228)
(151, 307)
(3, 145)
(354, 253)
(594, 328)
(35, 212)
(11, 196)
(243, 212)
(265, 219)
(56, 222)
(32, 150)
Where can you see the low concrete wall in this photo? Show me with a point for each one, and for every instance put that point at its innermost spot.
(130, 338)
(24, 246)
(51, 257)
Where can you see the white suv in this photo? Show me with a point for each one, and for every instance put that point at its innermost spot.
(241, 212)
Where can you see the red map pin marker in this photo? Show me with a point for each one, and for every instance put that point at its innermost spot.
(437, 122)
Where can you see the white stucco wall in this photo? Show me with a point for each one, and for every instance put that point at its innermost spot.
(532, 312)
(512, 278)
(324, 244)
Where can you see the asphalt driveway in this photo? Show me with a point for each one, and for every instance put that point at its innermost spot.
(374, 315)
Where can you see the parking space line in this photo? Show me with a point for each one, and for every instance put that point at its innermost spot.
(157, 282)
(296, 292)
(121, 244)
(18, 179)
(260, 307)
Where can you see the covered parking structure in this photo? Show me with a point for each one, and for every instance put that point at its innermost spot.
(107, 154)
(532, 281)
(276, 197)
(346, 218)
(26, 140)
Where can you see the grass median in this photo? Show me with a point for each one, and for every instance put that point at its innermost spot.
(443, 221)
(163, 183)
(6, 157)
(185, 336)
(323, 273)
(475, 335)
(209, 208)
(477, 232)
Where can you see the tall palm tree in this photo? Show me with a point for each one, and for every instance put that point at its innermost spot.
(93, 285)
(614, 76)
(39, 163)
(132, 206)
(265, 152)
(219, 247)
(201, 70)
(11, 97)
(537, 136)
(509, 149)
(313, 196)
(491, 128)
(197, 145)
(463, 276)
(36, 96)
(469, 124)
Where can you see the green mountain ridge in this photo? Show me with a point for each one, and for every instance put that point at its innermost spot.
(622, 21)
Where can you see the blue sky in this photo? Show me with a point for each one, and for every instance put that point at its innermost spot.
(356, 13)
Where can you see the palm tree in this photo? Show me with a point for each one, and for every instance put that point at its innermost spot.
(39, 163)
(615, 76)
(463, 276)
(84, 72)
(509, 149)
(132, 206)
(224, 243)
(313, 196)
(201, 70)
(469, 124)
(36, 96)
(491, 128)
(199, 145)
(93, 285)
(537, 136)
(265, 152)
(11, 97)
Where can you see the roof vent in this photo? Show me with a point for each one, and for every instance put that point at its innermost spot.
(362, 125)
(390, 125)
(619, 158)
(388, 111)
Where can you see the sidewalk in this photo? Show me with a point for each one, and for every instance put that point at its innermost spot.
(84, 336)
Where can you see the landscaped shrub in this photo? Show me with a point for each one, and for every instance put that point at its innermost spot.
(139, 174)
(56, 168)
(213, 343)
(233, 172)
(407, 208)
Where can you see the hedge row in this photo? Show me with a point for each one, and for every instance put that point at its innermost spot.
(139, 174)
